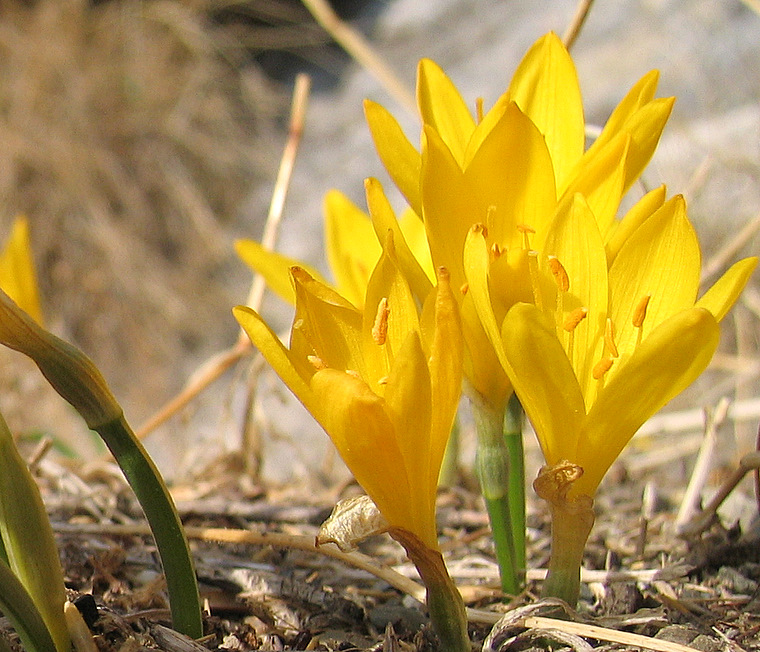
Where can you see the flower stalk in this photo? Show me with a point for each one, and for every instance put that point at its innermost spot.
(444, 602)
(572, 519)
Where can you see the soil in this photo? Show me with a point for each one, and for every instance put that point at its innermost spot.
(699, 591)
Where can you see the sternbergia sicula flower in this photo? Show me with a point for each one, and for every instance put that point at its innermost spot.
(350, 245)
(513, 168)
(384, 382)
(594, 349)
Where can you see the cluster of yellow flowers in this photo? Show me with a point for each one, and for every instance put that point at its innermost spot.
(593, 321)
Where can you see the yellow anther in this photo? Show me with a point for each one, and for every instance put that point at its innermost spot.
(380, 327)
(481, 228)
(298, 323)
(601, 368)
(610, 348)
(353, 374)
(464, 288)
(383, 380)
(316, 362)
(575, 318)
(640, 312)
(496, 251)
(479, 109)
(560, 274)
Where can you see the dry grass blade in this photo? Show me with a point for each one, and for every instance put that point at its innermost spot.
(576, 23)
(723, 257)
(215, 367)
(604, 634)
(358, 48)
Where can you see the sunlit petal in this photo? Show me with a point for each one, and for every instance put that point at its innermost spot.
(545, 86)
(442, 107)
(544, 381)
(635, 217)
(664, 364)
(274, 267)
(350, 244)
(726, 290)
(398, 155)
(661, 259)
(17, 276)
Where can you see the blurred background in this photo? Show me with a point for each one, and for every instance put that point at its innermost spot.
(142, 138)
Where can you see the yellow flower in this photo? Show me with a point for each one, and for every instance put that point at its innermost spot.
(595, 351)
(351, 246)
(514, 169)
(383, 382)
(17, 276)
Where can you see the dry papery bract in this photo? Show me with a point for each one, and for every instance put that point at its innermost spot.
(133, 136)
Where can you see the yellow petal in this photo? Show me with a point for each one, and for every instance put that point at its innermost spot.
(476, 264)
(641, 93)
(409, 407)
(413, 230)
(442, 107)
(325, 325)
(356, 421)
(398, 155)
(664, 364)
(384, 220)
(387, 284)
(17, 275)
(641, 116)
(544, 381)
(545, 86)
(448, 211)
(600, 180)
(511, 177)
(273, 266)
(633, 219)
(294, 373)
(445, 359)
(575, 240)
(660, 259)
(726, 290)
(351, 246)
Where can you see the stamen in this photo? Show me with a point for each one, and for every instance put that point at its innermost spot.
(535, 279)
(380, 327)
(640, 312)
(298, 323)
(383, 380)
(575, 318)
(490, 215)
(610, 348)
(353, 374)
(601, 368)
(479, 109)
(496, 251)
(464, 288)
(316, 362)
(526, 231)
(560, 274)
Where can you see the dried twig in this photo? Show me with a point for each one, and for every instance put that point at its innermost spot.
(690, 502)
(358, 47)
(214, 367)
(576, 23)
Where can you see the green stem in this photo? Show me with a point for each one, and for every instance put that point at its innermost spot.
(164, 521)
(572, 519)
(493, 468)
(444, 602)
(513, 425)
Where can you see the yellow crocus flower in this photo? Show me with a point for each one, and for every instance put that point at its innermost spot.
(384, 382)
(593, 350)
(17, 275)
(518, 164)
(351, 246)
